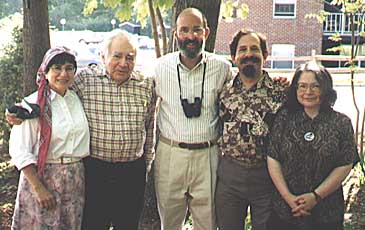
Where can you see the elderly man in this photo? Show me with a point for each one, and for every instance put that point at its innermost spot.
(248, 104)
(120, 107)
(188, 83)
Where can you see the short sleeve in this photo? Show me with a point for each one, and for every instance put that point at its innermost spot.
(276, 135)
(347, 152)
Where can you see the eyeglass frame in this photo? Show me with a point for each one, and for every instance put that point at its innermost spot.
(57, 69)
(196, 30)
(303, 87)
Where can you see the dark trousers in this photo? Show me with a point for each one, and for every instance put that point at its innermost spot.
(275, 223)
(238, 188)
(114, 194)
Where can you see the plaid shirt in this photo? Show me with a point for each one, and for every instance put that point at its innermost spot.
(121, 117)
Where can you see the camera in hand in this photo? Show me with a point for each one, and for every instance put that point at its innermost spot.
(23, 113)
(192, 109)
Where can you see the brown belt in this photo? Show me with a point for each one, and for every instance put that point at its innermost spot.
(200, 145)
(64, 160)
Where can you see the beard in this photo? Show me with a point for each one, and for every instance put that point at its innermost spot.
(250, 70)
(187, 51)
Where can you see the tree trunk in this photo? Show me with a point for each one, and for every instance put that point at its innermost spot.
(36, 40)
(163, 30)
(210, 9)
(154, 28)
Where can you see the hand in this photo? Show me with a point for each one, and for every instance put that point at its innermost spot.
(306, 202)
(45, 197)
(296, 204)
(283, 81)
(12, 119)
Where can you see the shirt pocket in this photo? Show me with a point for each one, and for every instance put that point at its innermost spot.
(231, 138)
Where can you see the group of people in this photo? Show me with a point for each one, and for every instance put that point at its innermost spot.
(226, 140)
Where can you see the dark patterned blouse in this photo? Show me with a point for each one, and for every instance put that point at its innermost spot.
(247, 116)
(308, 150)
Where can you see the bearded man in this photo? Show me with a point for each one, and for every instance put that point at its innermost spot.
(188, 83)
(247, 106)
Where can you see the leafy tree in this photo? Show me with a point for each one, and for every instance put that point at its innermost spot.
(11, 67)
(148, 9)
(9, 7)
(72, 11)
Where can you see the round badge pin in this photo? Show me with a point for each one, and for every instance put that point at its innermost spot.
(309, 136)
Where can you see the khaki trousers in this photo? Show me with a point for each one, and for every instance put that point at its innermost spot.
(185, 180)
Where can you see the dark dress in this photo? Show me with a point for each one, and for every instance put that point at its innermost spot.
(308, 150)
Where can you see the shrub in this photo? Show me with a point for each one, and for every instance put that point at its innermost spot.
(11, 90)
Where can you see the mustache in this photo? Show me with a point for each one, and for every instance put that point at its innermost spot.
(188, 41)
(253, 59)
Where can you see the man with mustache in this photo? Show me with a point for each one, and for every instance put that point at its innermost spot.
(120, 108)
(247, 106)
(188, 83)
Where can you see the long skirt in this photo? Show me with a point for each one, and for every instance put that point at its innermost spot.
(67, 183)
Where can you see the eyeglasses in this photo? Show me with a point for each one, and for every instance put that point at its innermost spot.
(196, 31)
(302, 87)
(58, 69)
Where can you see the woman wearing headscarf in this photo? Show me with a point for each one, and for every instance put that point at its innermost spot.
(48, 150)
(312, 150)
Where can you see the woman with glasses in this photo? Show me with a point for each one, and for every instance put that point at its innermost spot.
(312, 150)
(48, 150)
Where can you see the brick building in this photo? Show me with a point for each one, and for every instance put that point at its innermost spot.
(288, 32)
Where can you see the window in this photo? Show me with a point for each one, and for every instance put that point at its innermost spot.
(285, 51)
(284, 8)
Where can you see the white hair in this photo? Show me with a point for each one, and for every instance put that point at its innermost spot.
(115, 34)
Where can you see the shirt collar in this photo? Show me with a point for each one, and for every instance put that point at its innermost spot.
(133, 75)
(54, 95)
(202, 61)
(321, 117)
(264, 82)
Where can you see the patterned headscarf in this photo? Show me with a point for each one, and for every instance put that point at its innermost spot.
(44, 102)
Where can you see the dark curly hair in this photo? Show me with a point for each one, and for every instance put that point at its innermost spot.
(323, 77)
(236, 38)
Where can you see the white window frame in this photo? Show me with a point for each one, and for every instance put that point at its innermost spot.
(288, 47)
(291, 2)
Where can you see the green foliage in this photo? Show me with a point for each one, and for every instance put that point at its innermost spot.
(72, 11)
(11, 65)
(321, 16)
(230, 9)
(128, 9)
(8, 7)
(336, 37)
(335, 49)
(242, 11)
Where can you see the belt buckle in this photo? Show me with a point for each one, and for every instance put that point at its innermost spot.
(66, 160)
(183, 145)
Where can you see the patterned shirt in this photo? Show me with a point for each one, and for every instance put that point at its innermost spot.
(171, 120)
(308, 150)
(247, 115)
(121, 117)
